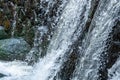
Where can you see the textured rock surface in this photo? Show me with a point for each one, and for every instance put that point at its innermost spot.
(3, 35)
(11, 49)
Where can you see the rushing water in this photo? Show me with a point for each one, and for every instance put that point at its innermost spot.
(95, 43)
(70, 26)
(60, 43)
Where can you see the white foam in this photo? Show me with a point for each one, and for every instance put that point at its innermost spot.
(14, 69)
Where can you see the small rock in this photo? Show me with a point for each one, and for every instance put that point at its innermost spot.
(13, 48)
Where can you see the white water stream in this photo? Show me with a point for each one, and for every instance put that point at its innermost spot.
(69, 28)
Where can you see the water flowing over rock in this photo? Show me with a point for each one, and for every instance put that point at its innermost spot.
(74, 40)
(60, 43)
(94, 47)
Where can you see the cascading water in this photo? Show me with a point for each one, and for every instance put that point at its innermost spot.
(14, 70)
(95, 43)
(62, 40)
(70, 26)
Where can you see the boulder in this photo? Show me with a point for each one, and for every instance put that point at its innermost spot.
(3, 34)
(13, 48)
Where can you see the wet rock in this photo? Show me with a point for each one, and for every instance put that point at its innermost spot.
(3, 34)
(13, 48)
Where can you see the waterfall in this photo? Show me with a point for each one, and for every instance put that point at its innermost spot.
(69, 27)
(81, 24)
(62, 39)
(94, 45)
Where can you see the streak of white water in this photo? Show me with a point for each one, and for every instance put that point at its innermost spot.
(14, 20)
(14, 69)
(95, 42)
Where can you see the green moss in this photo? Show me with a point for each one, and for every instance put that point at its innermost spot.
(29, 37)
(3, 55)
(9, 57)
(3, 35)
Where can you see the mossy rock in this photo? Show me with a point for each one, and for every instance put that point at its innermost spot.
(3, 55)
(3, 34)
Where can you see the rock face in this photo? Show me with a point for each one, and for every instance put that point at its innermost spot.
(3, 35)
(13, 48)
